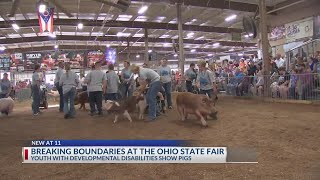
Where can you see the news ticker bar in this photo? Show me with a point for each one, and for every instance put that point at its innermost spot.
(137, 154)
(166, 143)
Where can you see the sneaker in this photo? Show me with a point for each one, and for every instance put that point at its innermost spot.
(170, 107)
(36, 114)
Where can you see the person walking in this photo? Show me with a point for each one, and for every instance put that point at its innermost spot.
(148, 75)
(69, 81)
(96, 84)
(35, 90)
(190, 76)
(205, 79)
(57, 84)
(165, 75)
(126, 78)
(5, 86)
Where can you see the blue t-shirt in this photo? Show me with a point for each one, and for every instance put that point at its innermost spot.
(205, 78)
(165, 73)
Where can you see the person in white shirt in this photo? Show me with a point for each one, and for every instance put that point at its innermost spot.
(279, 61)
(82, 82)
(57, 85)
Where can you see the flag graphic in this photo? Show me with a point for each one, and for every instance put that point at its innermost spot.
(46, 20)
(26, 155)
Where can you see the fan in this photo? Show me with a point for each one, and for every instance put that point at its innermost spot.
(249, 26)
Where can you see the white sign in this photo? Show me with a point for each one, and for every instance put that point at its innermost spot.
(33, 56)
(299, 29)
(18, 55)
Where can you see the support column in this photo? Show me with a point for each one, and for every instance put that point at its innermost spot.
(181, 52)
(265, 44)
(146, 45)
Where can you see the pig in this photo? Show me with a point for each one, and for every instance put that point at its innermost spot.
(117, 109)
(81, 98)
(6, 105)
(200, 105)
(141, 105)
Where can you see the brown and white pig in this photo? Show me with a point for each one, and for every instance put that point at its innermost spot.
(200, 105)
(117, 109)
(6, 105)
(81, 98)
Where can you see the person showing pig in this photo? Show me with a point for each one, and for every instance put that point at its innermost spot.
(112, 84)
(205, 79)
(145, 75)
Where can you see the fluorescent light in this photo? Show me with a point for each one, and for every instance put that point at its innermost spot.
(199, 38)
(108, 45)
(246, 36)
(15, 26)
(193, 50)
(251, 34)
(240, 54)
(42, 8)
(2, 48)
(230, 50)
(193, 20)
(138, 35)
(210, 55)
(190, 34)
(149, 50)
(216, 44)
(125, 16)
(119, 34)
(80, 25)
(232, 17)
(142, 9)
(175, 55)
(56, 46)
(52, 35)
(137, 56)
(166, 44)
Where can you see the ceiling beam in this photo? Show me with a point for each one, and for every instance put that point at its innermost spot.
(219, 4)
(126, 24)
(123, 39)
(61, 8)
(14, 8)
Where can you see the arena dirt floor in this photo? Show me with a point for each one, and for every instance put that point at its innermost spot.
(286, 137)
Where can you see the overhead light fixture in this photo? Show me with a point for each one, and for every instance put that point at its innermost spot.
(216, 44)
(42, 8)
(2, 48)
(142, 9)
(80, 26)
(175, 55)
(15, 26)
(246, 36)
(149, 51)
(108, 45)
(210, 55)
(193, 50)
(119, 34)
(240, 54)
(190, 34)
(230, 50)
(251, 34)
(193, 20)
(137, 56)
(56, 46)
(230, 18)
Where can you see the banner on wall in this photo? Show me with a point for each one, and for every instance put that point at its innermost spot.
(277, 33)
(17, 62)
(94, 56)
(46, 21)
(5, 61)
(317, 27)
(111, 55)
(299, 29)
(31, 59)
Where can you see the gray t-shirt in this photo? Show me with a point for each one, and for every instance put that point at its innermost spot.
(148, 74)
(205, 78)
(191, 74)
(5, 86)
(68, 81)
(165, 73)
(58, 75)
(126, 73)
(112, 82)
(95, 78)
(35, 78)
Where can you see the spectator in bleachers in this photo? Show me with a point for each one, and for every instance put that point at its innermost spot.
(190, 76)
(293, 83)
(205, 79)
(113, 83)
(5, 86)
(232, 85)
(283, 82)
(165, 75)
(259, 83)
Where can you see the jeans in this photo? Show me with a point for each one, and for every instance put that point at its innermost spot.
(95, 98)
(152, 99)
(167, 88)
(69, 101)
(35, 99)
(189, 86)
(59, 88)
(126, 92)
(112, 96)
(207, 92)
(84, 88)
